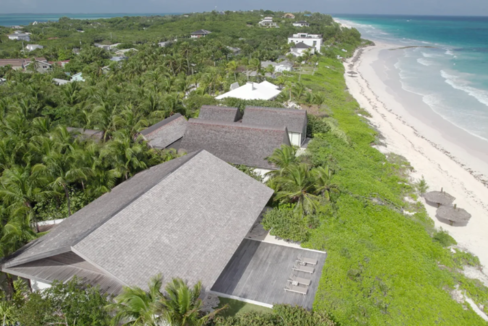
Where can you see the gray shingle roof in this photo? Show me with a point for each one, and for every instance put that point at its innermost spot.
(201, 32)
(86, 133)
(302, 45)
(184, 218)
(165, 132)
(234, 142)
(80, 224)
(219, 113)
(293, 120)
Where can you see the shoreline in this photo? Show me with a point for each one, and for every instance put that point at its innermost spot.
(440, 168)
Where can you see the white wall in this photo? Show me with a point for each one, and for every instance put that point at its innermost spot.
(315, 42)
(39, 286)
(262, 172)
(295, 138)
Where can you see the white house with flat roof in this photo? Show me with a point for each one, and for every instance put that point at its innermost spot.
(314, 40)
(19, 37)
(267, 22)
(301, 23)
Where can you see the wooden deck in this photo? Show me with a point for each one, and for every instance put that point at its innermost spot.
(259, 271)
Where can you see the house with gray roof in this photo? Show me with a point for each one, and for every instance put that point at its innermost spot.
(295, 121)
(235, 143)
(166, 133)
(200, 33)
(183, 218)
(219, 113)
(95, 135)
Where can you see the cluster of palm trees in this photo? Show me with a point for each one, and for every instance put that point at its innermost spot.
(179, 305)
(297, 182)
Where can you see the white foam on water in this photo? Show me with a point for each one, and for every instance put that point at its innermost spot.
(424, 62)
(457, 82)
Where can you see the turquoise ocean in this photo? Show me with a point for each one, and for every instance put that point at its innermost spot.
(445, 62)
(25, 19)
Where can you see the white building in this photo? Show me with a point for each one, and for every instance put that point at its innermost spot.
(107, 47)
(301, 24)
(278, 66)
(253, 91)
(314, 40)
(300, 48)
(32, 47)
(267, 22)
(19, 37)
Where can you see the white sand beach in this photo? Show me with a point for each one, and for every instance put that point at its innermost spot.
(445, 155)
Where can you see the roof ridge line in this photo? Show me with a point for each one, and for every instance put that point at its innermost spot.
(144, 192)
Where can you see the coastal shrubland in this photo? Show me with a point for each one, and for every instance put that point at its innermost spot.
(383, 266)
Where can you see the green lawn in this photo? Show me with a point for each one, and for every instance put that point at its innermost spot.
(236, 307)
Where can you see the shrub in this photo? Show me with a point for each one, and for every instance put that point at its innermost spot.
(443, 238)
(286, 223)
(316, 125)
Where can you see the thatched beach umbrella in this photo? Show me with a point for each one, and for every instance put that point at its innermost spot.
(439, 198)
(453, 215)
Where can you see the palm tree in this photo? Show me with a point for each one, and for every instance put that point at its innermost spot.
(232, 68)
(20, 189)
(62, 170)
(124, 155)
(296, 185)
(323, 181)
(181, 305)
(134, 306)
(282, 157)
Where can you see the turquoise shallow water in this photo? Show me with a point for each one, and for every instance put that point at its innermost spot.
(25, 19)
(447, 65)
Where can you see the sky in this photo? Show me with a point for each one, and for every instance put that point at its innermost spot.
(405, 7)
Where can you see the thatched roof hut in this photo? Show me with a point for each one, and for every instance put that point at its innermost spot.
(438, 198)
(453, 215)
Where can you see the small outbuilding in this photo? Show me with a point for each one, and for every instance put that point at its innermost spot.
(200, 33)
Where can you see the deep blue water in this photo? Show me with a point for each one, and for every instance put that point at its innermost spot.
(25, 19)
(449, 69)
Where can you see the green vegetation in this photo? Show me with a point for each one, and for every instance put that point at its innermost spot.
(234, 308)
(341, 196)
(281, 315)
(383, 267)
(71, 303)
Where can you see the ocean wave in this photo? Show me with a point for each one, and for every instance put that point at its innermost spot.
(449, 52)
(458, 83)
(430, 55)
(424, 62)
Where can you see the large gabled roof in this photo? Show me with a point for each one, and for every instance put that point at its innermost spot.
(234, 142)
(219, 113)
(165, 132)
(293, 120)
(184, 218)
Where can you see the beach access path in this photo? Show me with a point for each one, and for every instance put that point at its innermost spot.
(440, 168)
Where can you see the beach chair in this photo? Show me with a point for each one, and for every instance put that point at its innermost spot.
(309, 261)
(295, 280)
(297, 289)
(305, 269)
